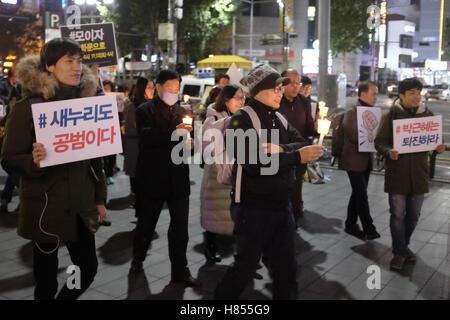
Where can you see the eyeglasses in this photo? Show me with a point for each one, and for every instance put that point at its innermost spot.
(239, 98)
(278, 90)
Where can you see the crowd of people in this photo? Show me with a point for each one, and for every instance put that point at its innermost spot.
(66, 203)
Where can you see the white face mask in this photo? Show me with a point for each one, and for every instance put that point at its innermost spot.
(170, 98)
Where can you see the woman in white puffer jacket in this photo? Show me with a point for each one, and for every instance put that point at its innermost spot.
(215, 197)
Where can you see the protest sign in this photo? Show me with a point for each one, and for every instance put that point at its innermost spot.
(368, 123)
(417, 134)
(77, 129)
(97, 42)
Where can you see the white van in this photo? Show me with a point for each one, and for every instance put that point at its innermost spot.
(196, 88)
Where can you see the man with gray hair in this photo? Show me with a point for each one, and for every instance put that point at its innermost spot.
(261, 205)
(297, 110)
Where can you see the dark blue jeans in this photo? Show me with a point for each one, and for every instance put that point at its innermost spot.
(405, 212)
(257, 231)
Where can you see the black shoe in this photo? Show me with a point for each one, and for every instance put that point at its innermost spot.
(356, 232)
(372, 234)
(136, 266)
(211, 253)
(105, 223)
(210, 247)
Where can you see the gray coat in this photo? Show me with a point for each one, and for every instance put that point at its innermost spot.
(214, 197)
(351, 159)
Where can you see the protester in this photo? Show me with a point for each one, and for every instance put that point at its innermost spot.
(12, 180)
(358, 166)
(213, 94)
(142, 93)
(260, 205)
(6, 85)
(305, 88)
(297, 110)
(215, 197)
(406, 177)
(159, 179)
(221, 80)
(62, 203)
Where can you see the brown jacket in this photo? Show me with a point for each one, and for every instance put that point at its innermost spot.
(409, 174)
(51, 198)
(351, 159)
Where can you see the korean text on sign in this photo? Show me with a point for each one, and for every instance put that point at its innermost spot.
(417, 134)
(78, 129)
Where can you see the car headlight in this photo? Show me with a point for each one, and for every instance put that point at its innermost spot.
(424, 92)
(444, 92)
(390, 88)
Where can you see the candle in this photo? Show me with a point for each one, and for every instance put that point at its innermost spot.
(187, 120)
(323, 110)
(324, 127)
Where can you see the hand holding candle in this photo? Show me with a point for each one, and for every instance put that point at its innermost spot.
(187, 120)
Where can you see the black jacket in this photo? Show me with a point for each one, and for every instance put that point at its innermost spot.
(156, 175)
(5, 88)
(298, 113)
(266, 191)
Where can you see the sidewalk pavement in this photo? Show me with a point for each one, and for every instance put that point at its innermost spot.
(331, 264)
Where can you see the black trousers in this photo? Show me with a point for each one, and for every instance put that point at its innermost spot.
(259, 231)
(45, 266)
(296, 196)
(358, 205)
(109, 162)
(148, 211)
(8, 190)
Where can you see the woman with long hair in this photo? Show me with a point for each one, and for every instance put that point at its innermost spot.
(214, 197)
(143, 91)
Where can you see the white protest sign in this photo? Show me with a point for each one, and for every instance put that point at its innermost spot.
(368, 124)
(77, 129)
(417, 134)
(313, 110)
(235, 75)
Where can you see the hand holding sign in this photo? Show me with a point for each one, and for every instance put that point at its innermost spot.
(38, 153)
(440, 148)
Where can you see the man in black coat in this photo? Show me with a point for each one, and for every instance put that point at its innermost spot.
(159, 179)
(297, 109)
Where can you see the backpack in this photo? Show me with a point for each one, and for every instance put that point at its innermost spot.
(224, 171)
(337, 143)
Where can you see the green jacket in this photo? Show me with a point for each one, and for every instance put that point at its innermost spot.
(409, 174)
(51, 198)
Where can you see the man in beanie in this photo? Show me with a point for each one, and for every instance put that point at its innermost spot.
(264, 222)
